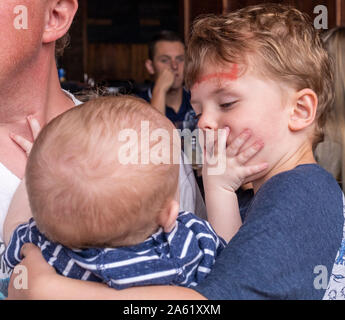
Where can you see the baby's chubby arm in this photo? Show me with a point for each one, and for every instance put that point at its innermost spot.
(19, 211)
(231, 173)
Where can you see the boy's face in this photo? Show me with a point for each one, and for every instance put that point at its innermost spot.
(222, 99)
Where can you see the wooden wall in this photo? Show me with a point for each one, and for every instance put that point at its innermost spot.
(116, 61)
(125, 60)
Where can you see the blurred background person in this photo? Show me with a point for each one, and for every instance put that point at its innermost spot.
(166, 65)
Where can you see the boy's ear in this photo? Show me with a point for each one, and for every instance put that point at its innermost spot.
(304, 110)
(149, 67)
(167, 218)
(59, 17)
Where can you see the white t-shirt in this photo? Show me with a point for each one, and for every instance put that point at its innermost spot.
(8, 185)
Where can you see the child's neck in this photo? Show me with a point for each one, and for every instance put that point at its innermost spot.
(304, 155)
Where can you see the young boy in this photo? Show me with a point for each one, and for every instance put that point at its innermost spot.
(264, 68)
(105, 211)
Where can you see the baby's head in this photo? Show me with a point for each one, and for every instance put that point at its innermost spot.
(264, 68)
(82, 194)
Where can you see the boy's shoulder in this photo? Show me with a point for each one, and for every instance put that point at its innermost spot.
(306, 178)
(307, 191)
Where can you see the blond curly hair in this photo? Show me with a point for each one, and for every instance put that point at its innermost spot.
(279, 40)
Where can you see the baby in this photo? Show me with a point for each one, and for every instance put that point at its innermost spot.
(101, 212)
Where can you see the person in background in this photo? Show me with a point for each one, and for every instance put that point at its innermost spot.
(167, 94)
(330, 154)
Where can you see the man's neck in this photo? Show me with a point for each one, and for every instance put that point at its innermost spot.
(174, 98)
(35, 91)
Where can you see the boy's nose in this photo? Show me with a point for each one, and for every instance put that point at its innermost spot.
(207, 122)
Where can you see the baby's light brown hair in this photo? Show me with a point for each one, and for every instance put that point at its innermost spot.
(80, 193)
(278, 41)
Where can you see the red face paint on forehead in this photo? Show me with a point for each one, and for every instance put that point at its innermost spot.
(232, 75)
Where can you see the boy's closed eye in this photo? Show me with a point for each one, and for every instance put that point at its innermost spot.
(227, 105)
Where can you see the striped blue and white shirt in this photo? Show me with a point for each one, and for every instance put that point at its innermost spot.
(182, 257)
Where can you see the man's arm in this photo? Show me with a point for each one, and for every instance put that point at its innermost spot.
(159, 92)
(45, 283)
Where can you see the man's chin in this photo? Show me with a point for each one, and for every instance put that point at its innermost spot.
(176, 86)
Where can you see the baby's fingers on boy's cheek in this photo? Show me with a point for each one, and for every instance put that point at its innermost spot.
(255, 169)
(238, 143)
(221, 140)
(249, 153)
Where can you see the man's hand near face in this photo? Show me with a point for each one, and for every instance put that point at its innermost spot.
(165, 80)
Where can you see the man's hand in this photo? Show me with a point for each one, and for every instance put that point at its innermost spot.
(162, 85)
(165, 80)
(40, 275)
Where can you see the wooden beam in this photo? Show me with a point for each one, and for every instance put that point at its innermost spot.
(186, 5)
(340, 13)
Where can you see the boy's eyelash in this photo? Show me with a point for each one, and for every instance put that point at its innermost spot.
(223, 105)
(197, 116)
(227, 105)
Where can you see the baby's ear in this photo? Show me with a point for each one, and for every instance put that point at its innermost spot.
(167, 218)
(303, 110)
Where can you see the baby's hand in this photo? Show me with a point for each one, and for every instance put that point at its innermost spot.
(232, 171)
(26, 145)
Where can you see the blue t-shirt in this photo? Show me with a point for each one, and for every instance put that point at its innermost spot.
(185, 117)
(293, 224)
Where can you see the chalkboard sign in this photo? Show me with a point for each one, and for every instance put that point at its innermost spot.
(130, 21)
